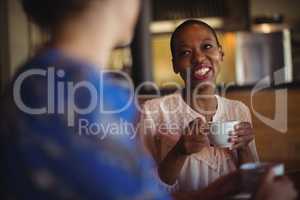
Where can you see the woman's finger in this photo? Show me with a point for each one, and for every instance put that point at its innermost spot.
(236, 146)
(242, 139)
(242, 125)
(241, 132)
(189, 130)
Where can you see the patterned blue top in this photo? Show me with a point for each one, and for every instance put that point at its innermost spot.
(67, 133)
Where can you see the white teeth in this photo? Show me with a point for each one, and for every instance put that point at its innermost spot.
(202, 71)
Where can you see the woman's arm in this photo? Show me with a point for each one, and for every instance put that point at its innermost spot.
(245, 154)
(244, 138)
(170, 167)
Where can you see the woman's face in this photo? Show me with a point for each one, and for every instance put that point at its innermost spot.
(197, 55)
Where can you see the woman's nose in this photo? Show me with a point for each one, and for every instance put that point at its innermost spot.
(198, 57)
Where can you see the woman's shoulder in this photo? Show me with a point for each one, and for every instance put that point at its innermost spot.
(231, 103)
(235, 109)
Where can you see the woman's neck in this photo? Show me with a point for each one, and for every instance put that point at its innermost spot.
(89, 49)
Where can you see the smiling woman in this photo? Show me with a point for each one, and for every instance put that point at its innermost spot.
(185, 159)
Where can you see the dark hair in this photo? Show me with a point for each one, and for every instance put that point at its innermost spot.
(47, 14)
(186, 23)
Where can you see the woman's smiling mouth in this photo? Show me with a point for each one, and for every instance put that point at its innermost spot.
(202, 71)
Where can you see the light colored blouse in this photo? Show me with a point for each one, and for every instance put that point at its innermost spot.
(163, 119)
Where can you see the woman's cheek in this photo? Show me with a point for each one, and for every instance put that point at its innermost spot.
(217, 59)
(183, 65)
(216, 56)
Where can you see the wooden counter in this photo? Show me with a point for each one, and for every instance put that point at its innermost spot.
(273, 145)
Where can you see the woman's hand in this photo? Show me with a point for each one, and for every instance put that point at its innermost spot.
(242, 135)
(193, 139)
(276, 188)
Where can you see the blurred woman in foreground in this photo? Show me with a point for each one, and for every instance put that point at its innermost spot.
(52, 145)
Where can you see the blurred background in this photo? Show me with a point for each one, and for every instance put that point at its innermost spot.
(259, 37)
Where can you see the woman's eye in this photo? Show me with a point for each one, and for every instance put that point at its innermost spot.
(207, 46)
(184, 53)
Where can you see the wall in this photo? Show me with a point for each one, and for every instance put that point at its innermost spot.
(4, 43)
(18, 35)
(18, 38)
(273, 145)
(289, 8)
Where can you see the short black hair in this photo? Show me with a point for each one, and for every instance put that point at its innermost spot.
(47, 14)
(186, 23)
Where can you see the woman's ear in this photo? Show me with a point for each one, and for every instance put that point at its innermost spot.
(174, 66)
(221, 52)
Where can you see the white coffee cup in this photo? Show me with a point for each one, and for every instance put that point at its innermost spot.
(252, 173)
(219, 133)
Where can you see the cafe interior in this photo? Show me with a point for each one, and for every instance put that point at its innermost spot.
(261, 68)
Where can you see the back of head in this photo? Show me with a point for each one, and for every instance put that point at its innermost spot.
(51, 15)
(47, 14)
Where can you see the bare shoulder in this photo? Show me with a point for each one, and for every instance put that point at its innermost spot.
(234, 104)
